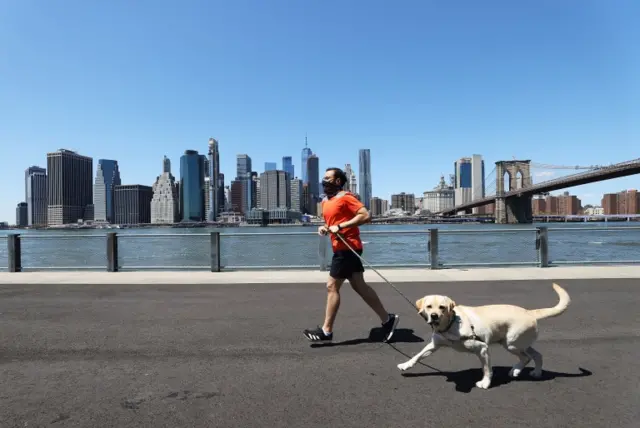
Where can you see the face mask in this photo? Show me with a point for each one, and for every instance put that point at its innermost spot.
(330, 189)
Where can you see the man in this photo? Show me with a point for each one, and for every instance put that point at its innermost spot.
(343, 213)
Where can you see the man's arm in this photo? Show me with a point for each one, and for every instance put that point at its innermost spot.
(362, 216)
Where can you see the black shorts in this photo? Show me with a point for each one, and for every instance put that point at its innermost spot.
(344, 264)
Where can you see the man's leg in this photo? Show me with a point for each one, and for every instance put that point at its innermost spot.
(369, 295)
(333, 303)
(335, 281)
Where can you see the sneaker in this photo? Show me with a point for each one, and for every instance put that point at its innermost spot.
(317, 335)
(390, 326)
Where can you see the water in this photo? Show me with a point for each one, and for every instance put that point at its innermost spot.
(250, 248)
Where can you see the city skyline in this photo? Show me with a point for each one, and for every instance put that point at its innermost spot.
(460, 85)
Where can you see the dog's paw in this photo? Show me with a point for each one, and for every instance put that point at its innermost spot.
(405, 366)
(484, 383)
(515, 372)
(536, 374)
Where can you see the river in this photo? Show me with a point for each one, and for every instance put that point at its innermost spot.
(254, 247)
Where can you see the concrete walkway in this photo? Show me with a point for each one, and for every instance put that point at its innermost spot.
(233, 356)
(315, 276)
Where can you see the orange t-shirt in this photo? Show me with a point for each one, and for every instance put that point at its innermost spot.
(339, 209)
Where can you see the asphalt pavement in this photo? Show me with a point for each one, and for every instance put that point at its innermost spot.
(234, 356)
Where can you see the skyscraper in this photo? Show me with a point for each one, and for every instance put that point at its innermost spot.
(270, 166)
(243, 166)
(214, 180)
(352, 184)
(313, 175)
(107, 176)
(296, 194)
(192, 173)
(164, 202)
(275, 190)
(477, 180)
(287, 166)
(21, 214)
(222, 204)
(132, 203)
(36, 196)
(365, 177)
(69, 187)
(27, 173)
(306, 152)
(462, 172)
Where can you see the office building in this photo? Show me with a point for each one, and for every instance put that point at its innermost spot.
(287, 166)
(69, 187)
(352, 183)
(36, 196)
(365, 177)
(22, 220)
(27, 172)
(440, 198)
(313, 176)
(132, 203)
(107, 176)
(275, 190)
(296, 194)
(404, 202)
(270, 166)
(192, 173)
(243, 166)
(306, 152)
(378, 206)
(469, 180)
(165, 200)
(213, 171)
(221, 195)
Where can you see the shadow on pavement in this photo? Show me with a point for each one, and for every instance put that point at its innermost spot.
(465, 380)
(376, 335)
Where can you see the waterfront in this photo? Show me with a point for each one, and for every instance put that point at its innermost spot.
(248, 248)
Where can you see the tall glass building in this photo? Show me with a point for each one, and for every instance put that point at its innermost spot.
(306, 152)
(287, 166)
(365, 177)
(107, 176)
(192, 172)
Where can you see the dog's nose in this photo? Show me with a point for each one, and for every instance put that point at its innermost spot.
(434, 316)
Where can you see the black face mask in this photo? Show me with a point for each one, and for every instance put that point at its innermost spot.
(330, 188)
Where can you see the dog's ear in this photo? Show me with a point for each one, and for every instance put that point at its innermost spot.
(452, 305)
(419, 304)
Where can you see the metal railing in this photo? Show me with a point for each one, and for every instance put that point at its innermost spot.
(215, 251)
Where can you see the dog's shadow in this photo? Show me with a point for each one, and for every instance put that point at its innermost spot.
(376, 335)
(465, 380)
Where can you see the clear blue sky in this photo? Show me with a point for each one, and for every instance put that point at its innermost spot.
(421, 83)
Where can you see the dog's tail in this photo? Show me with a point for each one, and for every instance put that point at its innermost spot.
(562, 305)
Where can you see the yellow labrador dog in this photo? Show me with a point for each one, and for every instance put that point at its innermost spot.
(474, 328)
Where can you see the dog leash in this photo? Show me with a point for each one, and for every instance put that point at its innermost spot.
(374, 269)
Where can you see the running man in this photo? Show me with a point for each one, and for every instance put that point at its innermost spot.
(343, 213)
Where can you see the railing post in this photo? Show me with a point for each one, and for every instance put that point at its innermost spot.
(542, 244)
(14, 252)
(433, 248)
(112, 252)
(322, 252)
(215, 251)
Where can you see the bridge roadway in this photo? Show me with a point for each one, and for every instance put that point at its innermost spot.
(231, 355)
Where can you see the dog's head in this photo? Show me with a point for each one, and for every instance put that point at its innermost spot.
(436, 310)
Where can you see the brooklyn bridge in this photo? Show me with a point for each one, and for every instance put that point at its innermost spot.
(511, 187)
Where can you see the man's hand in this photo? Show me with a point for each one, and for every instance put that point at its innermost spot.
(334, 229)
(322, 230)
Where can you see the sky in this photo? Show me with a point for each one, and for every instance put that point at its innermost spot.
(420, 83)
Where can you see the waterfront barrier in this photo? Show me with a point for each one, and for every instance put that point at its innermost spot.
(217, 251)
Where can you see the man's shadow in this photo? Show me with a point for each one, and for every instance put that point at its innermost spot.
(376, 335)
(465, 380)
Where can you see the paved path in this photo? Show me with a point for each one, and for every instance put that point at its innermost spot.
(233, 356)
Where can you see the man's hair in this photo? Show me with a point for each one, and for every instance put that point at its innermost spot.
(338, 173)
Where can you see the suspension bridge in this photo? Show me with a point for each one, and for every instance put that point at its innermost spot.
(510, 186)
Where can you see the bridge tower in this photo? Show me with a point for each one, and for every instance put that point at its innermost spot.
(516, 208)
